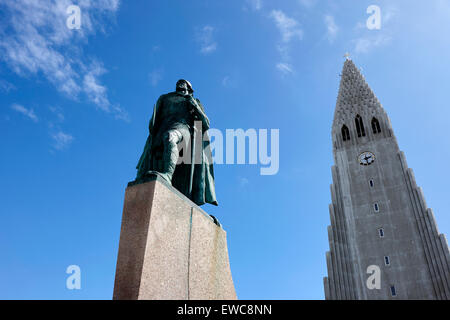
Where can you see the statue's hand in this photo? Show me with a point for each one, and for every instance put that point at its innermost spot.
(193, 113)
(196, 108)
(197, 112)
(192, 101)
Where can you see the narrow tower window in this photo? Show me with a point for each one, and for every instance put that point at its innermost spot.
(371, 184)
(381, 232)
(393, 291)
(376, 126)
(376, 207)
(345, 133)
(360, 126)
(387, 261)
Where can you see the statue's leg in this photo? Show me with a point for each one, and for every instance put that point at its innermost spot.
(170, 154)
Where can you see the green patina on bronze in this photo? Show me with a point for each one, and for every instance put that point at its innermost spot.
(172, 123)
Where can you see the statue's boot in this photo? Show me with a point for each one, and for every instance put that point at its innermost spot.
(160, 174)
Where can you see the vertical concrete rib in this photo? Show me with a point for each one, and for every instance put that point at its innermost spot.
(335, 255)
(330, 266)
(442, 263)
(433, 247)
(349, 281)
(327, 288)
(338, 250)
(331, 276)
(426, 241)
(444, 245)
(417, 212)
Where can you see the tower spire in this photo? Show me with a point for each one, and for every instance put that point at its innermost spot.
(358, 111)
(355, 96)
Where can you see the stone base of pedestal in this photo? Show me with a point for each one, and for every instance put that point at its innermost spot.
(170, 248)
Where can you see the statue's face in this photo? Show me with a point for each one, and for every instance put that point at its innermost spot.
(182, 88)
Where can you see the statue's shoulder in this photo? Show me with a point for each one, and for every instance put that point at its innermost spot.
(167, 96)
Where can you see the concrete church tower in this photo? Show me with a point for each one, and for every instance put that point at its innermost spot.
(380, 223)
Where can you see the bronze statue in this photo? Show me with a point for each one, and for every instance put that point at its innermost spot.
(171, 133)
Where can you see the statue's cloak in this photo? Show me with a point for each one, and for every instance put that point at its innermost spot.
(203, 188)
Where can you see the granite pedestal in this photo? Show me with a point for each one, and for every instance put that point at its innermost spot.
(170, 248)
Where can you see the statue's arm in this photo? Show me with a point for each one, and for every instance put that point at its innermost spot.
(201, 112)
(155, 115)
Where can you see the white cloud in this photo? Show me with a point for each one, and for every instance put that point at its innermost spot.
(61, 140)
(360, 26)
(289, 30)
(255, 5)
(93, 89)
(29, 113)
(155, 77)
(231, 80)
(284, 68)
(332, 28)
(243, 182)
(205, 37)
(38, 42)
(120, 114)
(6, 86)
(389, 14)
(308, 3)
(288, 27)
(443, 6)
(57, 111)
(366, 44)
(226, 81)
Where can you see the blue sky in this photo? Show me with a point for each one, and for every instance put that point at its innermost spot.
(75, 106)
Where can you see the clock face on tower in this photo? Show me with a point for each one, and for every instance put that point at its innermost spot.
(366, 158)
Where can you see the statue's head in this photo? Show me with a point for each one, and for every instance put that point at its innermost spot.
(184, 87)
